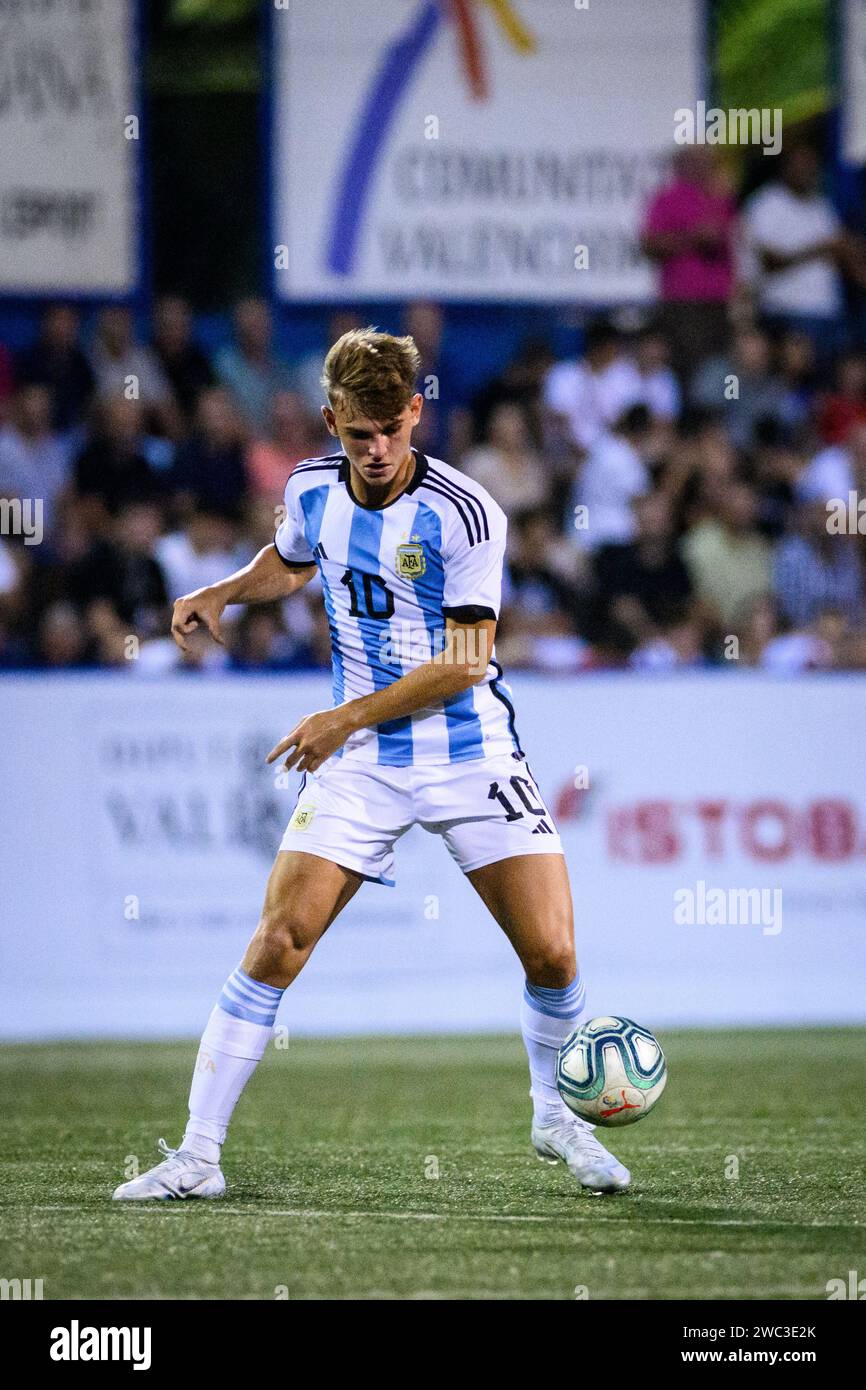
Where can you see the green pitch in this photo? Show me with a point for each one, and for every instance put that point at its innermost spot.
(401, 1168)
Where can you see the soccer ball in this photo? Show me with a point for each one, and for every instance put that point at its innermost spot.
(611, 1071)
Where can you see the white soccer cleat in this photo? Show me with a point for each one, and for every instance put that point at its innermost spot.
(572, 1141)
(179, 1176)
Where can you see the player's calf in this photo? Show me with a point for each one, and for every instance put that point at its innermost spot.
(548, 1014)
(303, 897)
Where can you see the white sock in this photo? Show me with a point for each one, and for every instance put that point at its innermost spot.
(233, 1043)
(547, 1016)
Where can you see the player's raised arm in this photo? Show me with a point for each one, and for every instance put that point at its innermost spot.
(267, 577)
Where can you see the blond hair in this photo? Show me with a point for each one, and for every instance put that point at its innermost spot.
(371, 373)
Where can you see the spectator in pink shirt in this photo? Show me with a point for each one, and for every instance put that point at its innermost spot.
(688, 234)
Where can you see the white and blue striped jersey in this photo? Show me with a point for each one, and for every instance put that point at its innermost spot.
(390, 577)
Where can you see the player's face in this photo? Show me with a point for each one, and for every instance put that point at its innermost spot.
(377, 449)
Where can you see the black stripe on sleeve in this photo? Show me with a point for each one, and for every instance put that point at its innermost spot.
(314, 465)
(434, 487)
(475, 502)
(437, 481)
(293, 564)
(469, 613)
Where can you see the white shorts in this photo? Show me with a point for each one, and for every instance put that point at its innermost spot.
(485, 809)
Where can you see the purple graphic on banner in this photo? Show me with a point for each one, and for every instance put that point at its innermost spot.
(400, 61)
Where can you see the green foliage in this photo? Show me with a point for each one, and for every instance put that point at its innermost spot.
(203, 47)
(212, 11)
(773, 53)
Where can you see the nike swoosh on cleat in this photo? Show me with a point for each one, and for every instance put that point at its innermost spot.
(184, 1189)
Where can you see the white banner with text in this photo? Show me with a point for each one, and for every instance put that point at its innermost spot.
(69, 136)
(715, 830)
(482, 152)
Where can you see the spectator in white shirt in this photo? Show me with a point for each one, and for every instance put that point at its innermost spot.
(836, 471)
(202, 553)
(590, 395)
(796, 250)
(612, 476)
(827, 474)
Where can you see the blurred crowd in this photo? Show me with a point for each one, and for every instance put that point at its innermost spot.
(682, 492)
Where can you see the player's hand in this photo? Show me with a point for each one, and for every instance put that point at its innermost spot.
(313, 740)
(201, 606)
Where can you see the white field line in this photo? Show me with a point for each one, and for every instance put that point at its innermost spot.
(309, 1213)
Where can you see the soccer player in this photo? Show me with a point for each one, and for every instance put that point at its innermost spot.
(422, 731)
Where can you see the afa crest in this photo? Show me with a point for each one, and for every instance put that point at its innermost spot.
(411, 562)
(302, 817)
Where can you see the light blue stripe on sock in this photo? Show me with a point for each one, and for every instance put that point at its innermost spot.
(254, 988)
(556, 1003)
(266, 996)
(244, 997)
(241, 1007)
(550, 992)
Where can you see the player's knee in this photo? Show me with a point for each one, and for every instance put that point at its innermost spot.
(285, 938)
(553, 967)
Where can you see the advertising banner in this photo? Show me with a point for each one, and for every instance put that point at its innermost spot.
(495, 149)
(68, 147)
(715, 830)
